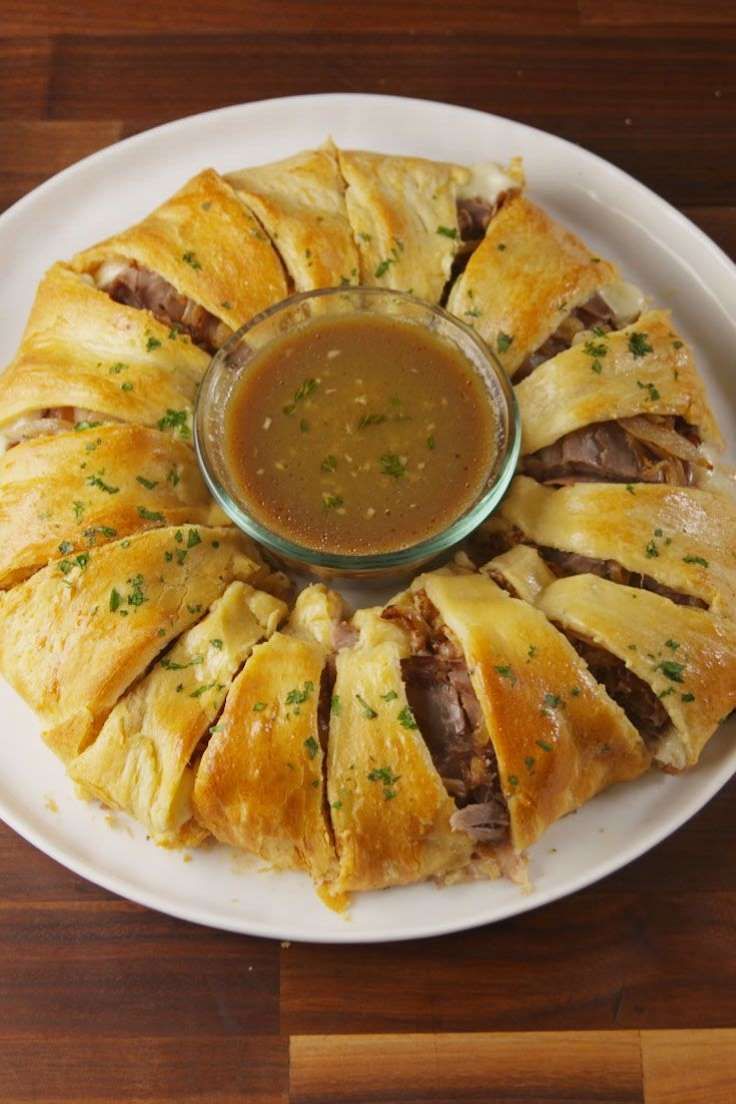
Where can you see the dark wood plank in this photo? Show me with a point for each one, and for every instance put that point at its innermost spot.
(555, 1067)
(24, 76)
(34, 149)
(642, 948)
(202, 1069)
(654, 13)
(695, 1066)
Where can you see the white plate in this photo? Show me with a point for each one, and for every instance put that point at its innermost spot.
(655, 245)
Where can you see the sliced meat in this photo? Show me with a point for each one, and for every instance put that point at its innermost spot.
(572, 563)
(595, 315)
(324, 705)
(606, 452)
(473, 217)
(637, 699)
(344, 635)
(135, 286)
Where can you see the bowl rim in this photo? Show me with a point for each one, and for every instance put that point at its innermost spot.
(415, 554)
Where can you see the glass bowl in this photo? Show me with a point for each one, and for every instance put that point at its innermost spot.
(234, 358)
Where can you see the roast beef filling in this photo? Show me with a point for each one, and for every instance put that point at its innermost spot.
(637, 699)
(595, 314)
(135, 286)
(474, 215)
(607, 452)
(448, 714)
(571, 563)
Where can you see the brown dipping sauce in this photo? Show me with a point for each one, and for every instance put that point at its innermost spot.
(359, 434)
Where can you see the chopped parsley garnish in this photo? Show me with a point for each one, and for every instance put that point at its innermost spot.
(390, 696)
(638, 345)
(677, 344)
(687, 697)
(65, 546)
(672, 644)
(503, 342)
(105, 530)
(651, 550)
(532, 651)
(173, 477)
(650, 387)
(366, 709)
(258, 707)
(150, 515)
(303, 391)
(543, 745)
(406, 718)
(551, 701)
(388, 779)
(117, 368)
(178, 420)
(329, 464)
(335, 705)
(501, 246)
(507, 673)
(216, 643)
(595, 349)
(136, 596)
(529, 762)
(447, 232)
(383, 267)
(190, 258)
(98, 481)
(172, 665)
(596, 367)
(152, 343)
(127, 386)
(370, 420)
(149, 484)
(298, 697)
(695, 560)
(86, 425)
(431, 443)
(78, 508)
(391, 465)
(201, 690)
(332, 501)
(312, 746)
(671, 670)
(575, 692)
(115, 600)
(193, 538)
(630, 488)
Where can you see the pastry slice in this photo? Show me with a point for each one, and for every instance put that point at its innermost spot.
(200, 263)
(141, 761)
(404, 218)
(675, 541)
(301, 204)
(531, 285)
(624, 407)
(84, 357)
(519, 730)
(390, 810)
(76, 634)
(62, 495)
(671, 667)
(260, 784)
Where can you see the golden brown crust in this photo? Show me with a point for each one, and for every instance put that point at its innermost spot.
(301, 203)
(65, 494)
(578, 388)
(559, 739)
(687, 656)
(681, 537)
(71, 642)
(81, 349)
(208, 245)
(260, 784)
(141, 760)
(404, 219)
(524, 278)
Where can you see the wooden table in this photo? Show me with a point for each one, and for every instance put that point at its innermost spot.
(625, 992)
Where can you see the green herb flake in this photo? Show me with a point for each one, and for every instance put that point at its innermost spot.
(390, 696)
(193, 538)
(368, 712)
(651, 550)
(638, 345)
(152, 343)
(551, 701)
(332, 501)
(329, 464)
(149, 484)
(127, 386)
(388, 779)
(312, 746)
(672, 644)
(65, 546)
(190, 258)
(259, 706)
(392, 465)
(173, 477)
(695, 560)
(298, 697)
(677, 344)
(630, 488)
(506, 673)
(595, 349)
(79, 426)
(178, 420)
(150, 515)
(504, 342)
(202, 690)
(98, 481)
(431, 443)
(406, 718)
(687, 697)
(172, 665)
(115, 600)
(216, 643)
(529, 762)
(383, 267)
(543, 745)
(371, 420)
(447, 232)
(671, 670)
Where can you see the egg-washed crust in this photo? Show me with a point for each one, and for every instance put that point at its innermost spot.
(82, 349)
(682, 537)
(404, 219)
(208, 245)
(525, 277)
(141, 760)
(300, 202)
(521, 571)
(73, 641)
(559, 739)
(390, 811)
(687, 656)
(645, 368)
(260, 783)
(64, 494)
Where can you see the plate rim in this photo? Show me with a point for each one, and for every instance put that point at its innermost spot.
(126, 888)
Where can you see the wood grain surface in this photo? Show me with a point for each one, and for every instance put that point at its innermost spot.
(625, 992)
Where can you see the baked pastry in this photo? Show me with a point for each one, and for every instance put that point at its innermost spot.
(625, 406)
(201, 263)
(136, 595)
(300, 202)
(141, 761)
(531, 285)
(590, 635)
(64, 494)
(675, 541)
(84, 357)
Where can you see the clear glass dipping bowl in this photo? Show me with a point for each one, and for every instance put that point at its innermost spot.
(233, 359)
